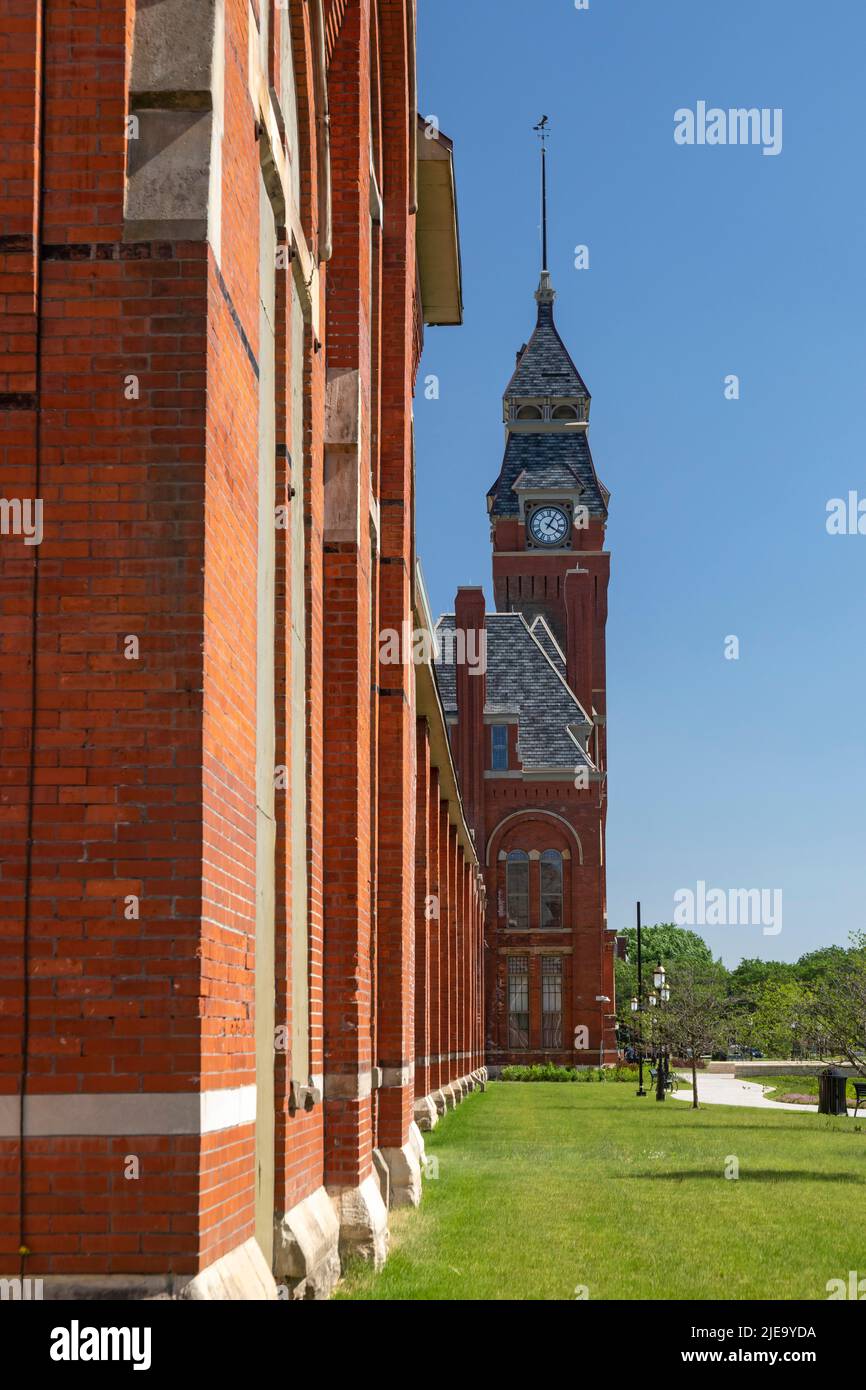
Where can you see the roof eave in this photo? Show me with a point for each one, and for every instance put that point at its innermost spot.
(438, 231)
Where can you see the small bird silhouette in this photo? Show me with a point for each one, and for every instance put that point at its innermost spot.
(541, 124)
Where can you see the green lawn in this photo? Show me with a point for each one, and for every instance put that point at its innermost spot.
(543, 1187)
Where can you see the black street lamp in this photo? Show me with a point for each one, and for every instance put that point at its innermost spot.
(658, 998)
(636, 1032)
(637, 1009)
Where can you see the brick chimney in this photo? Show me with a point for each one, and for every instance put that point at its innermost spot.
(470, 655)
(580, 634)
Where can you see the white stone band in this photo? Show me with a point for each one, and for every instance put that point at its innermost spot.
(181, 1112)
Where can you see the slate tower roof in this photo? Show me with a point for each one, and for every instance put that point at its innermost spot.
(550, 452)
(544, 366)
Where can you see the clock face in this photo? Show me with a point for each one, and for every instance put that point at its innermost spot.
(548, 525)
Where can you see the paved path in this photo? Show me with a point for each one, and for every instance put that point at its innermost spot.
(717, 1089)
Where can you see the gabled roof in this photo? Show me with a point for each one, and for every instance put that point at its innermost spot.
(545, 367)
(548, 460)
(523, 680)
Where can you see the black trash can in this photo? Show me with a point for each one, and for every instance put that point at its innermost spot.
(831, 1095)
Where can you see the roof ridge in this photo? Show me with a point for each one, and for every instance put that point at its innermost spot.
(540, 618)
(558, 674)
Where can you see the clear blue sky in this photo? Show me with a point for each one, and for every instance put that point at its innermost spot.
(704, 262)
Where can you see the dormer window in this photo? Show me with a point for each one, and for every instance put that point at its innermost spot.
(499, 747)
(564, 412)
(528, 412)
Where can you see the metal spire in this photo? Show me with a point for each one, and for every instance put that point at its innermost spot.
(545, 292)
(542, 132)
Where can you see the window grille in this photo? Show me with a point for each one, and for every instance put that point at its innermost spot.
(518, 1002)
(551, 1001)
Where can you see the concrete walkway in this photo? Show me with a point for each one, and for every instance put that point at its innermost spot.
(719, 1089)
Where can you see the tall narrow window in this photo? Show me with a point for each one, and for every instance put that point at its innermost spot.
(518, 1001)
(517, 888)
(551, 1001)
(551, 888)
(499, 742)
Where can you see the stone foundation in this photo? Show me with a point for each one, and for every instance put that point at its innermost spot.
(404, 1167)
(363, 1221)
(426, 1114)
(429, 1108)
(307, 1248)
(239, 1276)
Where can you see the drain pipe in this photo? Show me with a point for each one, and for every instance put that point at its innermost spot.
(412, 63)
(23, 1250)
(325, 240)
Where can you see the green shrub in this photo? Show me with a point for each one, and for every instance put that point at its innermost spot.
(548, 1071)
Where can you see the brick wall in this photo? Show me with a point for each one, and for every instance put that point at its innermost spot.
(131, 393)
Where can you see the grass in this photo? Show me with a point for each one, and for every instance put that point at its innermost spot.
(780, 1086)
(546, 1187)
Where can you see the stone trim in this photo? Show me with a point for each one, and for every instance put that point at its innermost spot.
(139, 1112)
(348, 1085)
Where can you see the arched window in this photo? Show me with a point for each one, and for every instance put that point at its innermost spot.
(528, 412)
(517, 888)
(564, 412)
(551, 888)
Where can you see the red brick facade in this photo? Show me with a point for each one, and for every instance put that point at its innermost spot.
(240, 909)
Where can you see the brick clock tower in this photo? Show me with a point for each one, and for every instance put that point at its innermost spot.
(528, 724)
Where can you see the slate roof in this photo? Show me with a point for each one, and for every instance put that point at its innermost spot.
(548, 460)
(523, 681)
(545, 367)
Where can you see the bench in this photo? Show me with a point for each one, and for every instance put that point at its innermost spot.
(671, 1083)
(859, 1095)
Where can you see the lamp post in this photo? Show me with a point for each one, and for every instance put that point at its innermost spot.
(601, 999)
(658, 998)
(637, 1032)
(637, 1009)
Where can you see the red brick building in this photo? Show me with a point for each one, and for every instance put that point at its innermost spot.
(529, 723)
(240, 905)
